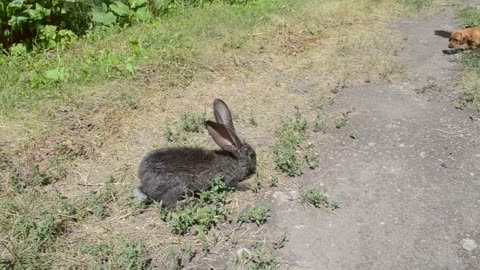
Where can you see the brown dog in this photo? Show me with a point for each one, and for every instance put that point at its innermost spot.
(469, 36)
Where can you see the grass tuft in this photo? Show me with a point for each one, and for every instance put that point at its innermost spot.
(470, 81)
(289, 136)
(258, 213)
(199, 216)
(318, 197)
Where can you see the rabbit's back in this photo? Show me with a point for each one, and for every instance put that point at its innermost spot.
(166, 174)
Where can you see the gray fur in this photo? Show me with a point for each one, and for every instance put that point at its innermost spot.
(168, 174)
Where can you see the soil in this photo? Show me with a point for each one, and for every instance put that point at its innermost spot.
(408, 186)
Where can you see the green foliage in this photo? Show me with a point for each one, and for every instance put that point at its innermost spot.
(201, 215)
(49, 24)
(263, 257)
(258, 214)
(30, 224)
(97, 202)
(289, 136)
(193, 122)
(122, 14)
(43, 22)
(121, 253)
(470, 16)
(342, 120)
(354, 134)
(189, 122)
(320, 124)
(318, 197)
(311, 156)
(471, 87)
(34, 177)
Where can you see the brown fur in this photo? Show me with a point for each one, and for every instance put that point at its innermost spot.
(469, 36)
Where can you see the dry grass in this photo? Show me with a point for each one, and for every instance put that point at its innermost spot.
(292, 59)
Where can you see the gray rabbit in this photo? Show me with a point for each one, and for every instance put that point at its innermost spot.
(167, 174)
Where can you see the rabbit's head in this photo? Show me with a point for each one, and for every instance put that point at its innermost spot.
(224, 134)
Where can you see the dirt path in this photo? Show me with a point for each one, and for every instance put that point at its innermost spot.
(409, 186)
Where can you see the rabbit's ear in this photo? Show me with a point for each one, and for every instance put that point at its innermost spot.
(223, 137)
(222, 114)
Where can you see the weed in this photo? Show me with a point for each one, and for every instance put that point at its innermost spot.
(354, 134)
(253, 121)
(129, 100)
(318, 197)
(174, 261)
(193, 122)
(281, 242)
(342, 120)
(30, 226)
(310, 156)
(320, 125)
(430, 86)
(204, 241)
(273, 180)
(258, 214)
(97, 202)
(256, 182)
(263, 257)
(119, 253)
(199, 216)
(289, 136)
(172, 134)
(189, 250)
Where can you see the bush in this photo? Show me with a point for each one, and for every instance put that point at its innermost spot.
(42, 22)
(49, 23)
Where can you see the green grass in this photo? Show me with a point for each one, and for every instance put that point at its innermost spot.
(262, 255)
(176, 47)
(354, 134)
(258, 213)
(320, 124)
(342, 121)
(118, 253)
(32, 228)
(470, 81)
(289, 136)
(470, 16)
(97, 202)
(199, 216)
(318, 197)
(193, 122)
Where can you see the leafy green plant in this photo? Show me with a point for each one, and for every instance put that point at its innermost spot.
(120, 13)
(289, 136)
(273, 180)
(342, 120)
(193, 122)
(258, 214)
(43, 22)
(30, 224)
(318, 197)
(119, 253)
(263, 257)
(97, 202)
(320, 124)
(311, 156)
(354, 134)
(200, 215)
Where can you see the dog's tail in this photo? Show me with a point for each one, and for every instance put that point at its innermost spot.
(442, 33)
